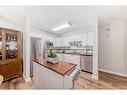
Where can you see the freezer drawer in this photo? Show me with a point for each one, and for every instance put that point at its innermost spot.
(70, 78)
(86, 63)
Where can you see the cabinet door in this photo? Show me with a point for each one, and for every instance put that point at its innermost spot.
(84, 39)
(71, 38)
(3, 71)
(60, 56)
(67, 40)
(12, 70)
(77, 37)
(67, 58)
(43, 78)
(36, 75)
(75, 59)
(11, 45)
(1, 47)
(90, 38)
(57, 41)
(64, 41)
(54, 82)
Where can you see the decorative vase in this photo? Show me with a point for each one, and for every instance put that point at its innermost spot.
(52, 60)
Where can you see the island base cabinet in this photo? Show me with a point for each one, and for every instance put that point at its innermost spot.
(36, 76)
(54, 82)
(44, 78)
(39, 77)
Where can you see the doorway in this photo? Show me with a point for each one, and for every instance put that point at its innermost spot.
(112, 48)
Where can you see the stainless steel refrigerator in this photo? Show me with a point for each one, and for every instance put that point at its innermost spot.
(35, 51)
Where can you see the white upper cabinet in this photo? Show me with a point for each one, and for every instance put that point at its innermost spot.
(87, 39)
(90, 38)
(58, 42)
(64, 41)
(78, 37)
(84, 39)
(70, 38)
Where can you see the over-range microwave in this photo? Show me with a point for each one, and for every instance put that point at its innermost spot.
(49, 43)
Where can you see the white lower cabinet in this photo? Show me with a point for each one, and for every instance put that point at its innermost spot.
(60, 56)
(36, 76)
(44, 78)
(54, 82)
(75, 59)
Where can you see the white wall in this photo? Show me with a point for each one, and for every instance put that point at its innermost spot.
(32, 31)
(37, 32)
(112, 47)
(11, 25)
(26, 49)
(95, 48)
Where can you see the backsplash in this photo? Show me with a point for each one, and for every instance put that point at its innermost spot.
(83, 51)
(75, 43)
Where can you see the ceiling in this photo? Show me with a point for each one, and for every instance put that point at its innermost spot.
(46, 17)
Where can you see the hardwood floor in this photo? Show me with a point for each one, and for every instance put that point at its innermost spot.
(85, 81)
(106, 81)
(17, 83)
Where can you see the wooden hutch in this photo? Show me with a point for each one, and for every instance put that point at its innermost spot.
(10, 53)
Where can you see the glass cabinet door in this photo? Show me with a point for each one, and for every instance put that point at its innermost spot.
(0, 46)
(11, 45)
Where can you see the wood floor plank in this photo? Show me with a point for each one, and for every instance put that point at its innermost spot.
(85, 81)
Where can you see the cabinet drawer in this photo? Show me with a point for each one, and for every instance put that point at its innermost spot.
(13, 61)
(12, 70)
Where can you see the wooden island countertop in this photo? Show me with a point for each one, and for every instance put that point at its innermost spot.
(61, 68)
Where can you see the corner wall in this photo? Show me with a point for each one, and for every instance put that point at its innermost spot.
(112, 48)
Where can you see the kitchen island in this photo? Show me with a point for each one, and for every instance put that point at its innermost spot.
(54, 76)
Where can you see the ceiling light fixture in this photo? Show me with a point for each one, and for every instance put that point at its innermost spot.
(62, 26)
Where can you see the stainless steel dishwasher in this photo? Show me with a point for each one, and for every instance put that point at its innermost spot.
(86, 63)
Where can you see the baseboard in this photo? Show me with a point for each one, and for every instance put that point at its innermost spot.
(112, 72)
(26, 79)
